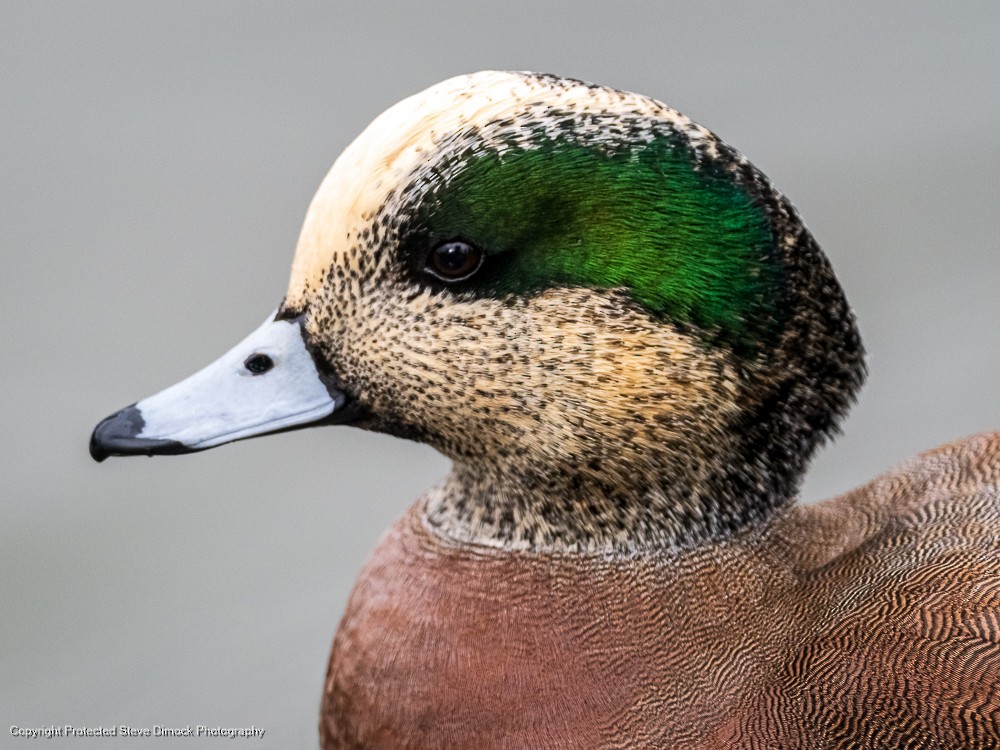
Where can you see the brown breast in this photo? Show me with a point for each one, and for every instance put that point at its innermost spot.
(868, 621)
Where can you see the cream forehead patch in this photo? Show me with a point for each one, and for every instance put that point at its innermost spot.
(389, 150)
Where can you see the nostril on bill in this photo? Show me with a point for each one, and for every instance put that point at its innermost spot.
(258, 364)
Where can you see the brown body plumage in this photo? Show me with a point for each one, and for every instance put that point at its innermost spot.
(869, 621)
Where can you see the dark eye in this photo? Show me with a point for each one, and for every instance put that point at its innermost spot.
(258, 363)
(454, 261)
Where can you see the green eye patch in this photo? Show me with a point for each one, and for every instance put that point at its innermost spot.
(683, 238)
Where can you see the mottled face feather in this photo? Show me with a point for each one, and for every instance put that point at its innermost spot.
(650, 351)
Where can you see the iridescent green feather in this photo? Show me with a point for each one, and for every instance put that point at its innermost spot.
(684, 239)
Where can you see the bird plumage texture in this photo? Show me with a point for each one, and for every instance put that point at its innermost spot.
(868, 621)
(631, 349)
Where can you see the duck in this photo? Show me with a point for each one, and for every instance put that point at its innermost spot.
(630, 347)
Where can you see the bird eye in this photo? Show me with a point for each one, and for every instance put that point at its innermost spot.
(258, 363)
(454, 261)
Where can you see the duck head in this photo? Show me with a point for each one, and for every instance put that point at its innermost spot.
(608, 319)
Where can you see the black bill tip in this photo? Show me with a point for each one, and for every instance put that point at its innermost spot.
(117, 436)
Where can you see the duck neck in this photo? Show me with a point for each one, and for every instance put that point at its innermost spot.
(516, 509)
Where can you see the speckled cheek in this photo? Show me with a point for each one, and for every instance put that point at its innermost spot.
(611, 361)
(549, 372)
(451, 363)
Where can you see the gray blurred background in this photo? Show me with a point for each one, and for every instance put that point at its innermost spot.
(156, 162)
